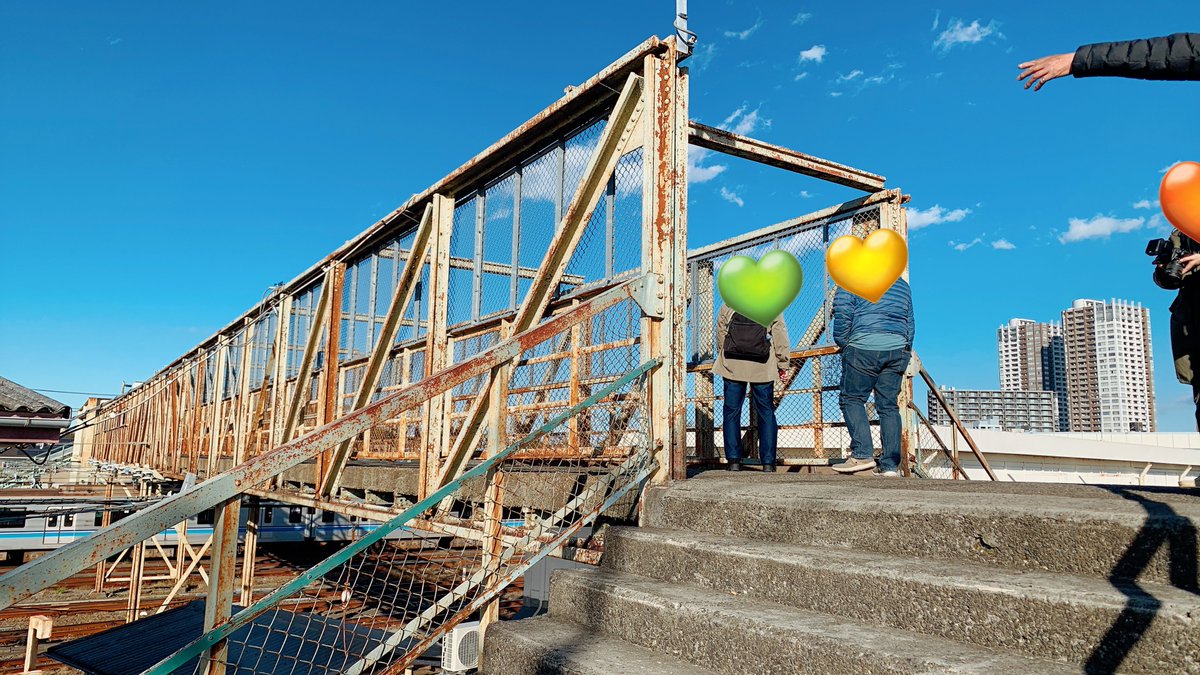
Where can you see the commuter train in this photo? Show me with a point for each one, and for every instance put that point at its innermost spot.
(45, 526)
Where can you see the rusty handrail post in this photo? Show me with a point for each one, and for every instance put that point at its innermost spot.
(962, 429)
(958, 470)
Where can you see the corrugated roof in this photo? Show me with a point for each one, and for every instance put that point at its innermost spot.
(17, 399)
(311, 644)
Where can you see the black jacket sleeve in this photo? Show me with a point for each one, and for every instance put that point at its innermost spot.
(1174, 57)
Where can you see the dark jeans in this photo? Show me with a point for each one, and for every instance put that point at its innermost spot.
(864, 371)
(762, 397)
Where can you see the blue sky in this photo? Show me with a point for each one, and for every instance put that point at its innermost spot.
(161, 166)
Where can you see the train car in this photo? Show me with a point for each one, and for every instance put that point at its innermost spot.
(46, 526)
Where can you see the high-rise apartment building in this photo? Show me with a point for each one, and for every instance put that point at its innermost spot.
(1011, 410)
(1033, 358)
(1110, 371)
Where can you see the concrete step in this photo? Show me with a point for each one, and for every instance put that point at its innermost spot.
(1081, 620)
(1117, 531)
(545, 646)
(737, 635)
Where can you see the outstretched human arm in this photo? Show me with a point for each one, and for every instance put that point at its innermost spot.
(1171, 57)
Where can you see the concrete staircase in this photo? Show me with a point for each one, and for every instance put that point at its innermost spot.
(756, 573)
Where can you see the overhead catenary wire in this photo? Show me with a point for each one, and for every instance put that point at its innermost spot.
(79, 393)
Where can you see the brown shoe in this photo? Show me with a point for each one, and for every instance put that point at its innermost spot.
(853, 465)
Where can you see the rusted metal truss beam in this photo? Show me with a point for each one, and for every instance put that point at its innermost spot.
(371, 512)
(616, 139)
(780, 157)
(383, 346)
(796, 354)
(576, 106)
(300, 396)
(75, 556)
(489, 267)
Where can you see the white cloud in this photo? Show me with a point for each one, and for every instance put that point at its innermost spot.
(814, 53)
(934, 215)
(743, 34)
(801, 76)
(835, 94)
(742, 122)
(959, 33)
(937, 17)
(731, 196)
(112, 41)
(806, 194)
(1159, 224)
(962, 246)
(704, 55)
(697, 171)
(1003, 245)
(1168, 167)
(749, 123)
(857, 83)
(1098, 227)
(802, 17)
(1146, 204)
(733, 116)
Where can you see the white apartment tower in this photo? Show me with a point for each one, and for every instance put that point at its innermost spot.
(1110, 381)
(1033, 358)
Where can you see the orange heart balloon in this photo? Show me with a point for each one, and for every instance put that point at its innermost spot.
(1180, 197)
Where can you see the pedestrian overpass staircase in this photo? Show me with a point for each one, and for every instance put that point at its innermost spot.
(757, 573)
(533, 392)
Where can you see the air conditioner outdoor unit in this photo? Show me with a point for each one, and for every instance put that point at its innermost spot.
(462, 647)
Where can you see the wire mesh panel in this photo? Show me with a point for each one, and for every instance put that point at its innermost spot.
(384, 599)
(811, 427)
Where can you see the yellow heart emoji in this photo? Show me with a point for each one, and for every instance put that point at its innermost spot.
(867, 267)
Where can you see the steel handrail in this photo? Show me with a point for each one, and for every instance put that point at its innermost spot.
(242, 618)
(83, 553)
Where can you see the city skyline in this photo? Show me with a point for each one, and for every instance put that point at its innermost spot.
(1097, 364)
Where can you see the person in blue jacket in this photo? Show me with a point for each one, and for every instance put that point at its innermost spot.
(876, 340)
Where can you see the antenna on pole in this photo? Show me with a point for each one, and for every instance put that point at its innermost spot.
(687, 39)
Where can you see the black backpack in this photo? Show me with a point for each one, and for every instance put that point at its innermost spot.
(746, 340)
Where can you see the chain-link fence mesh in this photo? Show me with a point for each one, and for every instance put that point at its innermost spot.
(575, 432)
(811, 427)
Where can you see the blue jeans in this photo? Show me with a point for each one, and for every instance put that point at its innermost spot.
(762, 396)
(864, 370)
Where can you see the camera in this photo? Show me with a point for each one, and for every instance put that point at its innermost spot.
(1169, 274)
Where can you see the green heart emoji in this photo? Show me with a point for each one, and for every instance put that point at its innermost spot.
(760, 290)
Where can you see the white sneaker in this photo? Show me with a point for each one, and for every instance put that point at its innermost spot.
(853, 465)
(887, 474)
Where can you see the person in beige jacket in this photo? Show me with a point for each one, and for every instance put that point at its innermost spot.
(749, 355)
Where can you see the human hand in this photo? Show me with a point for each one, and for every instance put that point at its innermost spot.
(1190, 262)
(1040, 71)
(783, 373)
